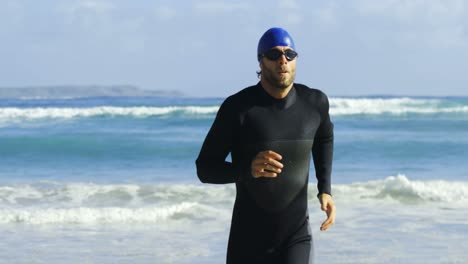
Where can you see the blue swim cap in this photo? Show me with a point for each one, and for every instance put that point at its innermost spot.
(272, 38)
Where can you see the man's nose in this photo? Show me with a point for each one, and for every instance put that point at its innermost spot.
(282, 59)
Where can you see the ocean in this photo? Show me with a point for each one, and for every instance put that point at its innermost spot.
(113, 180)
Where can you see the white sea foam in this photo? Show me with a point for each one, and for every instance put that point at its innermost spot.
(394, 106)
(92, 203)
(51, 222)
(400, 188)
(7, 113)
(86, 215)
(338, 106)
(129, 195)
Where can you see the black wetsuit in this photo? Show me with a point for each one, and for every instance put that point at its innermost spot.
(270, 216)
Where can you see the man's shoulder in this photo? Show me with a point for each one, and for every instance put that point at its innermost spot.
(241, 96)
(246, 92)
(310, 93)
(240, 99)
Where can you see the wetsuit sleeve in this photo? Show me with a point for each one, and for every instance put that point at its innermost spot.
(212, 166)
(322, 150)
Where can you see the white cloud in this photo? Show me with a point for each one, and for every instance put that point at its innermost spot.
(165, 12)
(293, 19)
(435, 12)
(87, 14)
(80, 7)
(218, 6)
(291, 11)
(324, 16)
(288, 4)
(99, 6)
(327, 16)
(10, 5)
(11, 15)
(94, 26)
(435, 23)
(443, 37)
(370, 7)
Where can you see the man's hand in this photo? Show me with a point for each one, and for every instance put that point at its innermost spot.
(266, 164)
(329, 207)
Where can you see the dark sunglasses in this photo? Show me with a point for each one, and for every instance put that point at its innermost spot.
(274, 54)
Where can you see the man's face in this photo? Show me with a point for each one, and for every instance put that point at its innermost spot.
(279, 73)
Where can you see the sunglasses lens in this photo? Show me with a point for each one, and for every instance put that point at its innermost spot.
(290, 55)
(274, 54)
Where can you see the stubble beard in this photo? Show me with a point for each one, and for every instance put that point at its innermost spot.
(279, 82)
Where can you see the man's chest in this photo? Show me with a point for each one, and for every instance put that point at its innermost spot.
(264, 124)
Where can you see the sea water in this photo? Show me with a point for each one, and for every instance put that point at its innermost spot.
(113, 180)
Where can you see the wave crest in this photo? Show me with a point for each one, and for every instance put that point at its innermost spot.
(139, 111)
(401, 189)
(80, 203)
(393, 106)
(338, 107)
(86, 215)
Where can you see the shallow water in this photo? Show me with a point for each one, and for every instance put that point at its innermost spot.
(112, 180)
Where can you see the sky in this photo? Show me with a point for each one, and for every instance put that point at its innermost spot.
(208, 48)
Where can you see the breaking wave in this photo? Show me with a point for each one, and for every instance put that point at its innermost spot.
(338, 107)
(80, 203)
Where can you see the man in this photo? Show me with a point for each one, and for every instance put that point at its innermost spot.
(271, 129)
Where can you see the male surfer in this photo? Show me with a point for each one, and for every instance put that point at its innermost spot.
(271, 129)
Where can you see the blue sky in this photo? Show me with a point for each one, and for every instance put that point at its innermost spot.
(208, 48)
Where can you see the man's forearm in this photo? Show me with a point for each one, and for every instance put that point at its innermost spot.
(217, 172)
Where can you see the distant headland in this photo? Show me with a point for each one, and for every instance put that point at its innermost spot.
(77, 91)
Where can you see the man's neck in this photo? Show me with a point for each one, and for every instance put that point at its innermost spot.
(275, 92)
